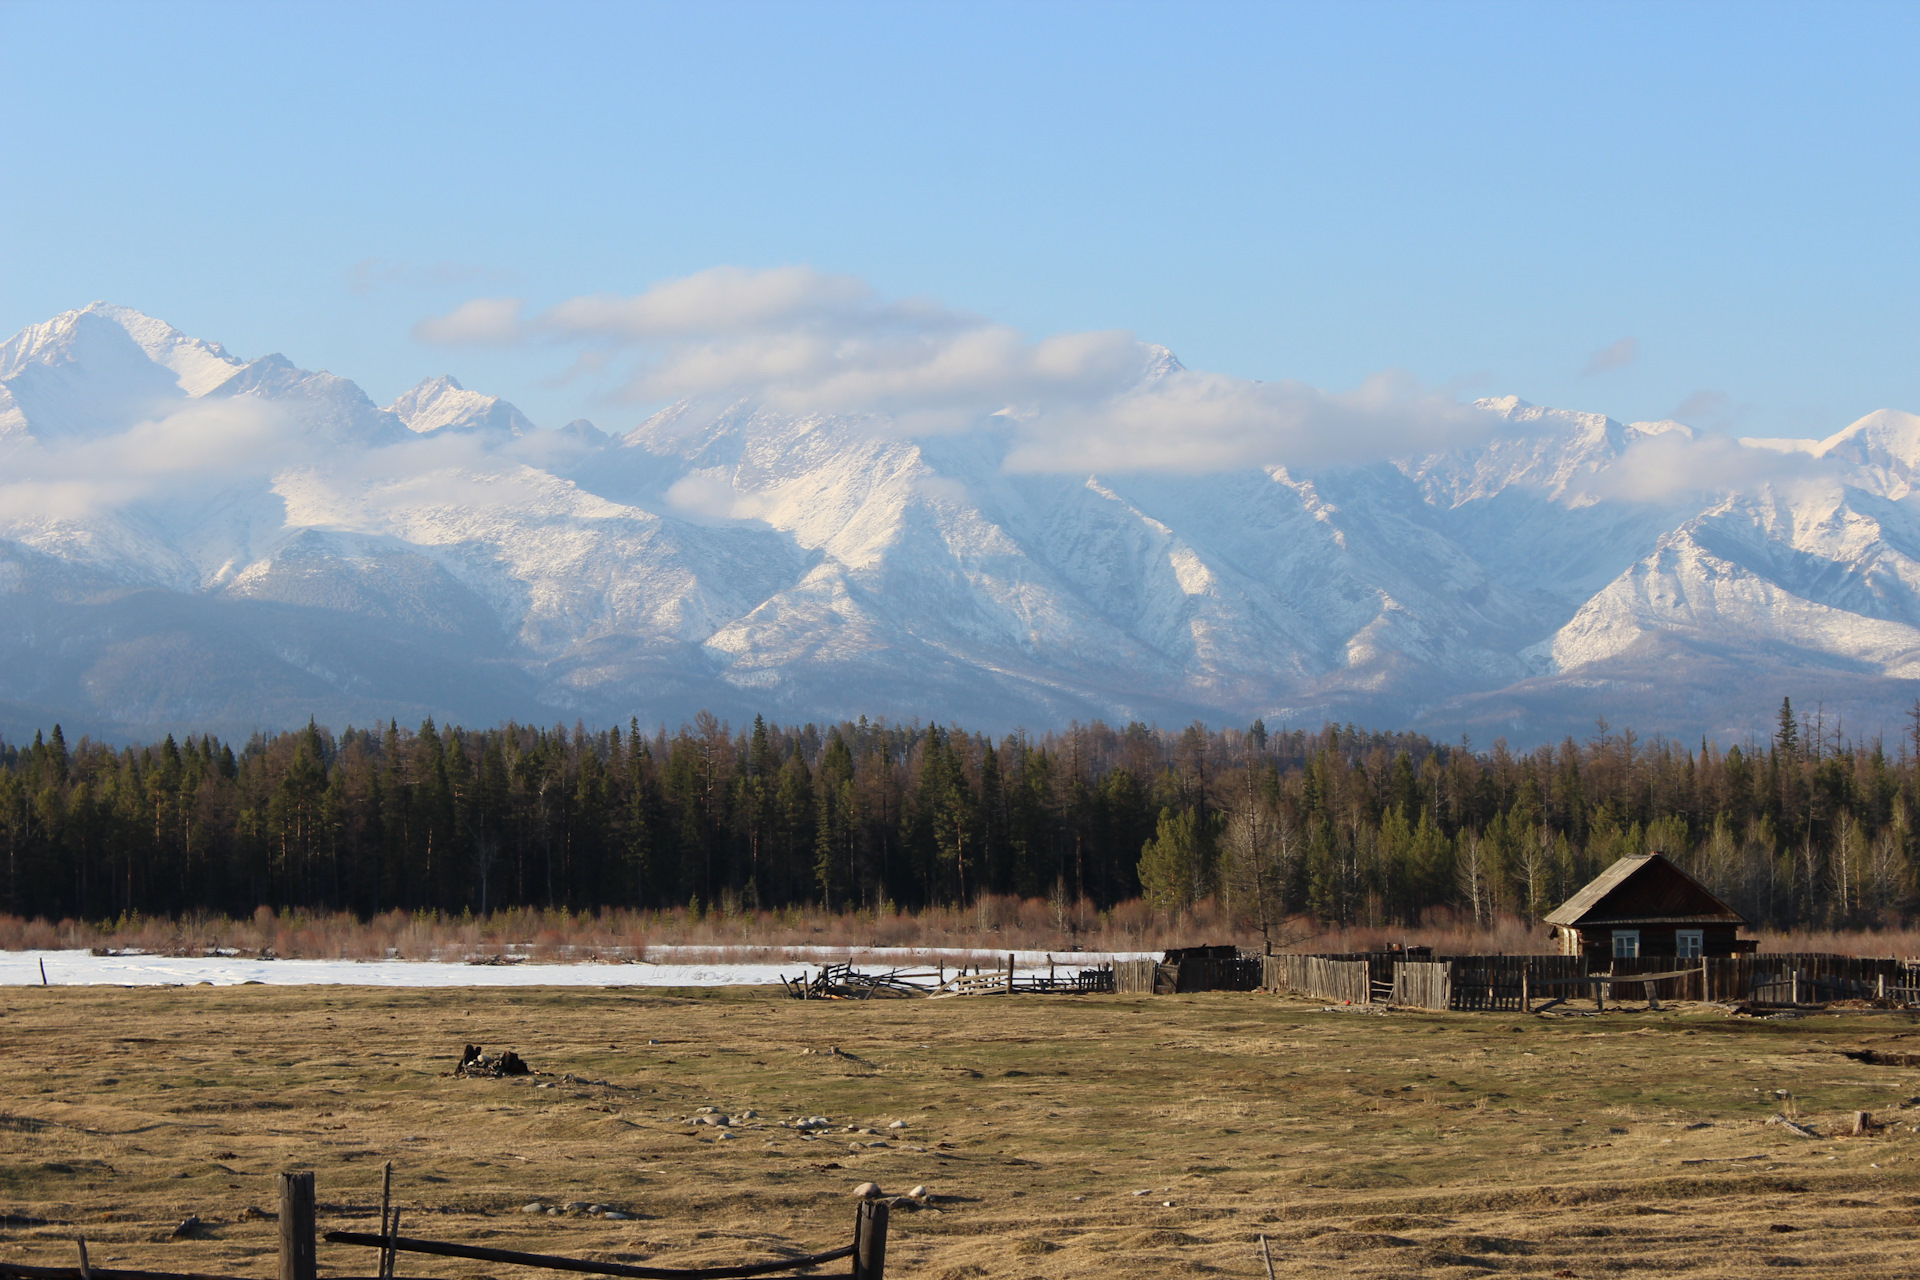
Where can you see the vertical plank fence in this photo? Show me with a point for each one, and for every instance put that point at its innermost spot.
(1421, 984)
(1319, 976)
(1134, 977)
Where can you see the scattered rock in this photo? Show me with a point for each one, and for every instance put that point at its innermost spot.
(614, 1215)
(576, 1206)
(253, 1213)
(187, 1228)
(898, 1124)
(535, 1207)
(868, 1191)
(918, 1193)
(473, 1062)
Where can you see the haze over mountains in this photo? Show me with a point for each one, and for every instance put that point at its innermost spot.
(193, 540)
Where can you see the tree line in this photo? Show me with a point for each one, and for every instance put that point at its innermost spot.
(1340, 823)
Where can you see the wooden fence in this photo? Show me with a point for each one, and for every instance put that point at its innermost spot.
(299, 1260)
(1513, 983)
(1134, 977)
(1238, 973)
(1321, 976)
(1422, 984)
(1157, 977)
(1507, 983)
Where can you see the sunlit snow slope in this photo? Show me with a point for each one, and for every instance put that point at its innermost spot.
(188, 539)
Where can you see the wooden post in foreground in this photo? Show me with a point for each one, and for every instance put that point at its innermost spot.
(297, 1260)
(1526, 1006)
(870, 1241)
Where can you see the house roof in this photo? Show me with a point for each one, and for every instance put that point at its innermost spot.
(1647, 889)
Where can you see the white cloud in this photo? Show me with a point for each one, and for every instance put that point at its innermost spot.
(801, 341)
(1681, 463)
(478, 322)
(204, 442)
(1617, 355)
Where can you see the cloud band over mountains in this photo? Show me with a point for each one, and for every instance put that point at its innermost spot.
(799, 341)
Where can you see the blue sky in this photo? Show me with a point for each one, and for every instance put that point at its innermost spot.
(1488, 197)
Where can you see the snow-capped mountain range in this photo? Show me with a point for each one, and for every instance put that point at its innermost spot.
(188, 539)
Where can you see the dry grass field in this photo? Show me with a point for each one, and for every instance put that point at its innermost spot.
(1060, 1137)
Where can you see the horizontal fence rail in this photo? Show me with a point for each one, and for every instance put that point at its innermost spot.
(19, 1271)
(298, 1260)
(549, 1262)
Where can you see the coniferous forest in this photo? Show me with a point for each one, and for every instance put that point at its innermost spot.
(1808, 828)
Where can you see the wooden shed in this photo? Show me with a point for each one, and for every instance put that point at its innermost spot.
(1646, 906)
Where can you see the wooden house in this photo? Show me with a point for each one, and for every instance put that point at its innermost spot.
(1646, 906)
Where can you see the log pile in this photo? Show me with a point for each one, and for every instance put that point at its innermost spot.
(844, 982)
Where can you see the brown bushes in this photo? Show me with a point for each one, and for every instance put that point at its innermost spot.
(993, 924)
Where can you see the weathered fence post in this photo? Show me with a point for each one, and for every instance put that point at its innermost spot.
(296, 1227)
(870, 1241)
(1526, 999)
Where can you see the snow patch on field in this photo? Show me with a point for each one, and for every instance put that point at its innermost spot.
(758, 966)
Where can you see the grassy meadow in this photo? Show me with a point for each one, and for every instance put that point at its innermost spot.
(1059, 1137)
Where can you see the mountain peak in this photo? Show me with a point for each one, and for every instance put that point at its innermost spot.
(89, 333)
(442, 404)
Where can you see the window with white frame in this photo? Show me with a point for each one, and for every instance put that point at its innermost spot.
(1689, 943)
(1626, 944)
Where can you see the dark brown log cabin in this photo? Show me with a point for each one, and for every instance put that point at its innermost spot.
(1646, 906)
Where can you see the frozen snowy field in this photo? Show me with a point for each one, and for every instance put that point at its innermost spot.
(755, 966)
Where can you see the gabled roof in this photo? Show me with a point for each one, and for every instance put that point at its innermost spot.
(1644, 889)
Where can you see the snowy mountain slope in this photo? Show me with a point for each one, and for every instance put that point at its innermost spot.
(442, 404)
(189, 537)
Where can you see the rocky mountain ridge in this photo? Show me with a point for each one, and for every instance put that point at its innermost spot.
(191, 539)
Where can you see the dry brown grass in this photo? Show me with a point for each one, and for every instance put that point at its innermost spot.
(1633, 1143)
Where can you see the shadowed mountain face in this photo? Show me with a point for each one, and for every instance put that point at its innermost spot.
(188, 539)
